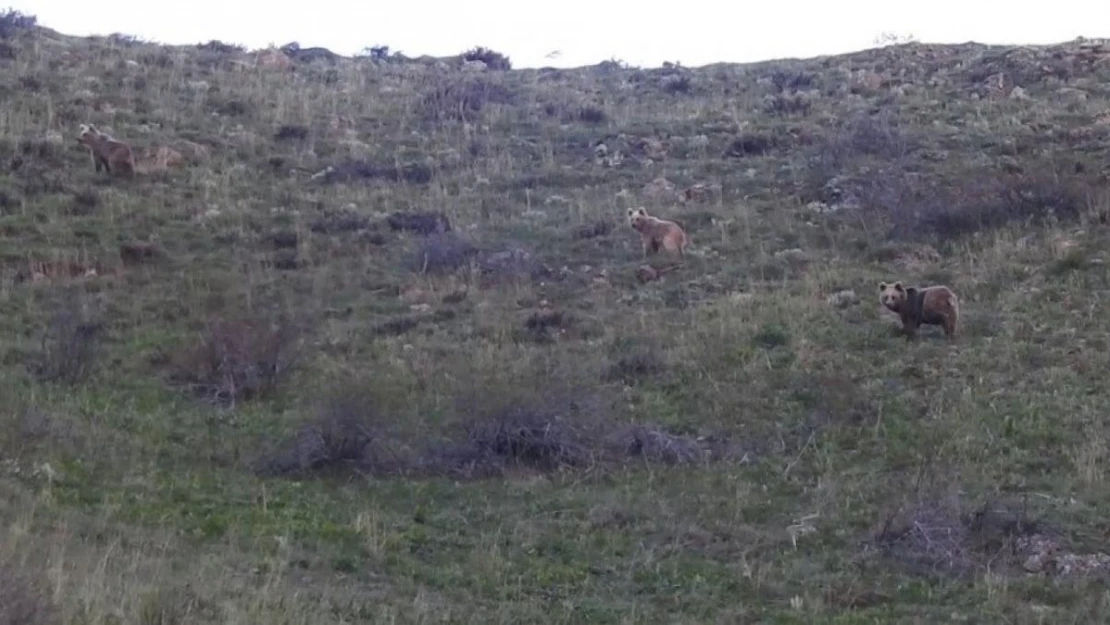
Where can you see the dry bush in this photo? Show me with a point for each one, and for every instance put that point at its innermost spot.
(493, 60)
(239, 359)
(977, 201)
(24, 599)
(220, 47)
(652, 445)
(70, 345)
(542, 436)
(346, 434)
(442, 253)
(421, 222)
(13, 22)
(941, 533)
(463, 97)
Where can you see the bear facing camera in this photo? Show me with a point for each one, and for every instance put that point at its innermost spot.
(930, 305)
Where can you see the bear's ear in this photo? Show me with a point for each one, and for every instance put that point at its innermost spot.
(641, 211)
(882, 286)
(631, 212)
(898, 286)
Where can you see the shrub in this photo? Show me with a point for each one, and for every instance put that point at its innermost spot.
(220, 47)
(376, 53)
(13, 22)
(463, 97)
(344, 434)
(493, 60)
(240, 359)
(69, 347)
(442, 252)
(918, 208)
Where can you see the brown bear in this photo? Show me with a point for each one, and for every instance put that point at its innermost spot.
(931, 305)
(656, 233)
(107, 153)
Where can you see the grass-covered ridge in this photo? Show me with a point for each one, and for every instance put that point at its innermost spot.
(379, 353)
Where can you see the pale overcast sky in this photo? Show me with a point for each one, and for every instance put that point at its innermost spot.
(693, 32)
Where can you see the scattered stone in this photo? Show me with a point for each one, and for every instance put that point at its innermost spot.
(842, 299)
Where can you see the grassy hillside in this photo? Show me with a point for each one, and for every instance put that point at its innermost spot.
(272, 386)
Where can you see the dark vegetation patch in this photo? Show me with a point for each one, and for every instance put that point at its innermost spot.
(492, 59)
(949, 535)
(238, 358)
(13, 23)
(442, 253)
(543, 434)
(419, 222)
(464, 97)
(70, 346)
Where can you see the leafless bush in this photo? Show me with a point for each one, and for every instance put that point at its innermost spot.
(421, 222)
(652, 445)
(750, 144)
(463, 97)
(943, 534)
(785, 105)
(345, 434)
(977, 201)
(13, 22)
(519, 436)
(442, 252)
(220, 47)
(493, 60)
(70, 346)
(791, 79)
(24, 600)
(240, 359)
(633, 360)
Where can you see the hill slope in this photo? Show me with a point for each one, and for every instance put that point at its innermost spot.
(246, 390)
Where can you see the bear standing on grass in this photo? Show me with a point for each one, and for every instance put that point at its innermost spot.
(110, 154)
(931, 305)
(656, 233)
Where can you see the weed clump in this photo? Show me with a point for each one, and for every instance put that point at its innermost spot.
(239, 359)
(69, 348)
(493, 60)
(345, 433)
(13, 22)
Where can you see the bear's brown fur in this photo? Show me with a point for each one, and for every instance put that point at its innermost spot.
(931, 305)
(656, 233)
(110, 154)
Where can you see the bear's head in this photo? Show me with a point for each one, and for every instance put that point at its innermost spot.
(87, 133)
(637, 217)
(893, 295)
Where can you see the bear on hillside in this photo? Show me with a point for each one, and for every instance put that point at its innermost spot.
(656, 233)
(113, 156)
(931, 305)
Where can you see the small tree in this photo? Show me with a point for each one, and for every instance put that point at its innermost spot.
(493, 60)
(13, 22)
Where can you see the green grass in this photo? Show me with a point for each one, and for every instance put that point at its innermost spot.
(854, 477)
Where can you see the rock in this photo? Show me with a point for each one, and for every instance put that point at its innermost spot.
(842, 299)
